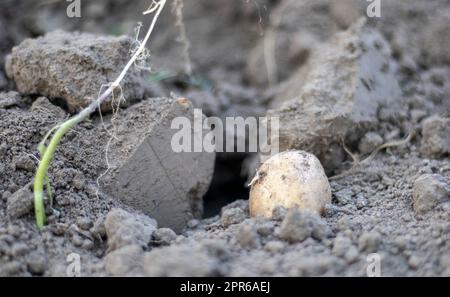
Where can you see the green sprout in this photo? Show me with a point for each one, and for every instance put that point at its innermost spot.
(57, 132)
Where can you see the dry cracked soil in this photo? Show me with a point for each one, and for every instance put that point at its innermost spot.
(342, 84)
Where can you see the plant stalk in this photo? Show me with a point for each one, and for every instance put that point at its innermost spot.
(48, 152)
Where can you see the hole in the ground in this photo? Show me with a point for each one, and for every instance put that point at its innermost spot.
(227, 184)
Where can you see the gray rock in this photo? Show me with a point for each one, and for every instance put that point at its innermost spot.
(147, 174)
(10, 99)
(43, 105)
(340, 90)
(299, 225)
(435, 136)
(164, 236)
(232, 216)
(20, 203)
(343, 196)
(125, 261)
(429, 190)
(124, 228)
(73, 66)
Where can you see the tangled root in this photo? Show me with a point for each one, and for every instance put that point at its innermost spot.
(356, 162)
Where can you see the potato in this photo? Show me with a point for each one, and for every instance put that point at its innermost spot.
(289, 179)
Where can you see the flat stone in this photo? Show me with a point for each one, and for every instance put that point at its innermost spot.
(145, 172)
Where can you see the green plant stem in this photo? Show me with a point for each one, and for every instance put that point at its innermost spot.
(48, 152)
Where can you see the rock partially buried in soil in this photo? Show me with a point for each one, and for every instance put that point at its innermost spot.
(428, 191)
(289, 179)
(73, 67)
(435, 136)
(147, 174)
(338, 94)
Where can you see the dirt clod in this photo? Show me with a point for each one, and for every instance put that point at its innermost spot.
(179, 261)
(338, 92)
(369, 242)
(124, 261)
(124, 228)
(232, 216)
(73, 67)
(20, 203)
(163, 236)
(145, 171)
(429, 191)
(436, 136)
(299, 225)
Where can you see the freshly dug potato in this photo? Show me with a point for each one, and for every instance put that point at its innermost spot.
(289, 179)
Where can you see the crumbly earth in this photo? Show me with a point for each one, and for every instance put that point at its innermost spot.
(395, 206)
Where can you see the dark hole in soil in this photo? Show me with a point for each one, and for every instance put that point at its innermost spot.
(227, 184)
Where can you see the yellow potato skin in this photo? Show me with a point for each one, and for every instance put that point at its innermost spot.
(289, 179)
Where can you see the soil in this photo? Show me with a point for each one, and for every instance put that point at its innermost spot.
(375, 203)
